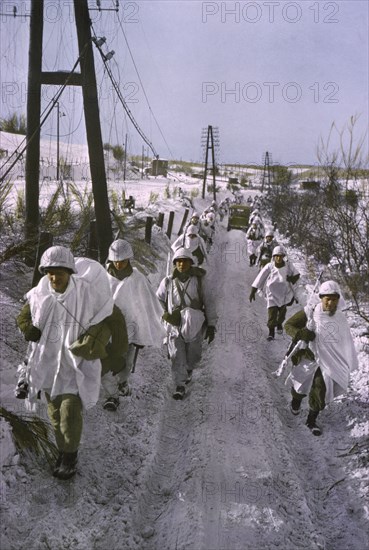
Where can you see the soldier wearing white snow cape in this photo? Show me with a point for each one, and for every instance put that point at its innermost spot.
(321, 370)
(189, 315)
(192, 241)
(63, 320)
(254, 236)
(265, 249)
(136, 299)
(278, 278)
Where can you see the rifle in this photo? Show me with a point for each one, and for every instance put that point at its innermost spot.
(300, 344)
(169, 263)
(168, 300)
(137, 349)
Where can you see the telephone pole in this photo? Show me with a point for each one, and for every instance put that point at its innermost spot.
(93, 129)
(87, 80)
(32, 168)
(209, 143)
(266, 179)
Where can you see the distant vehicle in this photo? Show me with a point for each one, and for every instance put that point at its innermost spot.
(238, 217)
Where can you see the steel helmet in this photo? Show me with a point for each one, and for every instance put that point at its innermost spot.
(120, 250)
(57, 256)
(182, 253)
(195, 215)
(329, 287)
(269, 233)
(279, 251)
(192, 230)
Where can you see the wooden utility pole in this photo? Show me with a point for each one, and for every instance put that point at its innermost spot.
(93, 129)
(32, 170)
(125, 159)
(87, 80)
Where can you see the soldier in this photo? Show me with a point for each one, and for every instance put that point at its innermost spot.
(253, 238)
(322, 369)
(192, 241)
(189, 315)
(278, 278)
(63, 321)
(265, 250)
(136, 299)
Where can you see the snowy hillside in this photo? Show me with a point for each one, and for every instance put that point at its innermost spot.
(227, 468)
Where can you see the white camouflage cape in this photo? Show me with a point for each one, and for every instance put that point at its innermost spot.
(334, 352)
(62, 318)
(141, 309)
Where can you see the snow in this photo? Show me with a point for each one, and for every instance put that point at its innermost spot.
(228, 468)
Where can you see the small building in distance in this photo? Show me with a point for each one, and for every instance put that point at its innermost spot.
(159, 167)
(310, 185)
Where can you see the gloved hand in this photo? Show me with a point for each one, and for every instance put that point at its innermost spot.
(293, 278)
(32, 334)
(306, 335)
(173, 318)
(210, 334)
(252, 293)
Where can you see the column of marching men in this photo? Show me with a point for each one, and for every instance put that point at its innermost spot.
(322, 354)
(86, 323)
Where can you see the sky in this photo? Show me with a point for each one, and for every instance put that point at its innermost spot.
(269, 75)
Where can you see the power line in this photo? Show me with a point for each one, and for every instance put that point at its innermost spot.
(142, 86)
(52, 102)
(122, 100)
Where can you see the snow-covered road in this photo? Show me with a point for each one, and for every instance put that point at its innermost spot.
(228, 468)
(232, 468)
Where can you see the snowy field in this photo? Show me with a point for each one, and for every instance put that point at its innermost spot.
(228, 468)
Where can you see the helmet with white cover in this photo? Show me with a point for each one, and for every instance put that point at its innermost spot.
(279, 251)
(192, 230)
(57, 256)
(329, 288)
(120, 250)
(182, 253)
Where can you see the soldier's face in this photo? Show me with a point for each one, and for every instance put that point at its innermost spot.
(183, 264)
(121, 264)
(59, 278)
(330, 303)
(278, 259)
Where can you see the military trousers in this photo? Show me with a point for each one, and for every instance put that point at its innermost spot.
(316, 394)
(65, 413)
